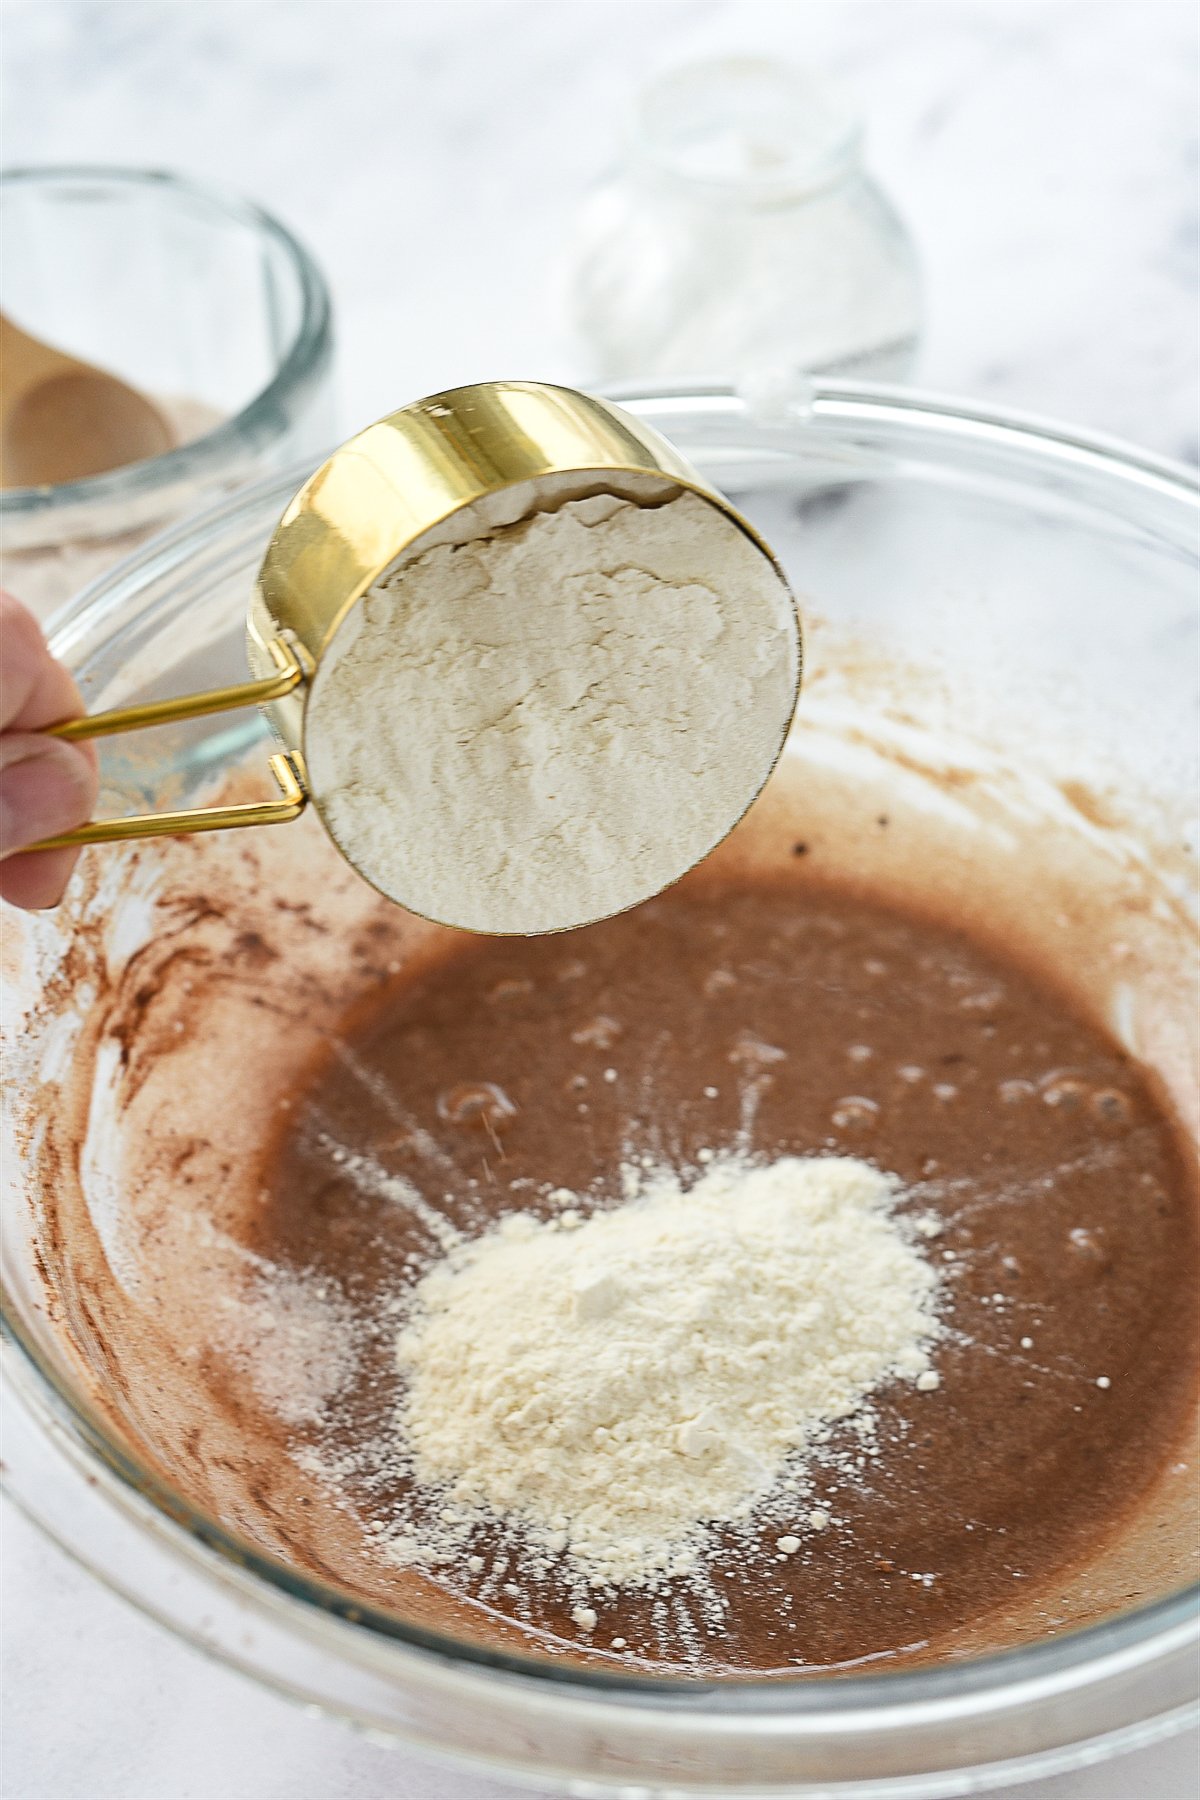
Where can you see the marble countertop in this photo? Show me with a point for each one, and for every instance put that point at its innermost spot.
(433, 155)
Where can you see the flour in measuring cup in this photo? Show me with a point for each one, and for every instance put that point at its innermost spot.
(552, 722)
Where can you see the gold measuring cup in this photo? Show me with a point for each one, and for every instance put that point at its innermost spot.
(466, 460)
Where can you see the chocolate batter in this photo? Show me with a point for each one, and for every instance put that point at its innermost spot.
(790, 1018)
(897, 964)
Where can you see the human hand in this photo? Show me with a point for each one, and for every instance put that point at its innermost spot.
(46, 786)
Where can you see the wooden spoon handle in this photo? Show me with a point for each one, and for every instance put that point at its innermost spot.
(62, 420)
(25, 362)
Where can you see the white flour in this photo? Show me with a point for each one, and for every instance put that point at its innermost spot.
(613, 1386)
(548, 724)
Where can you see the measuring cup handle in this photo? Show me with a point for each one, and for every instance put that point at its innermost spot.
(286, 766)
(189, 706)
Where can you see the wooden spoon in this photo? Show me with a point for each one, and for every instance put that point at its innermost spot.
(62, 419)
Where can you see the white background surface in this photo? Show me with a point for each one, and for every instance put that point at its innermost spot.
(1044, 155)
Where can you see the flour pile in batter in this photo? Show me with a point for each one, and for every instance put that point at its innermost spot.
(614, 1385)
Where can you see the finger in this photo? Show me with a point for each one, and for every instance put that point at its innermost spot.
(37, 881)
(35, 690)
(46, 787)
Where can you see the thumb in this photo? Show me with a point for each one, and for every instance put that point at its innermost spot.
(46, 786)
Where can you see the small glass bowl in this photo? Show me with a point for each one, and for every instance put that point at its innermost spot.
(197, 298)
(948, 537)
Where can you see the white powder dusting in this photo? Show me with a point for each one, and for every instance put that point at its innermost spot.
(293, 1337)
(552, 722)
(614, 1389)
(102, 1171)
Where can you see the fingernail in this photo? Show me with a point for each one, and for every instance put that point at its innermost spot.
(45, 792)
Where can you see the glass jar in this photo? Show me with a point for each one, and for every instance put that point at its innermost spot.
(743, 238)
(196, 298)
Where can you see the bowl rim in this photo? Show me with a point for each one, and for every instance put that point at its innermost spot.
(1080, 1653)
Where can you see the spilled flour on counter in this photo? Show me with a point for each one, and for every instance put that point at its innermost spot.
(614, 1386)
(549, 723)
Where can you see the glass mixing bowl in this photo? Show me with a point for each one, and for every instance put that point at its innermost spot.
(978, 562)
